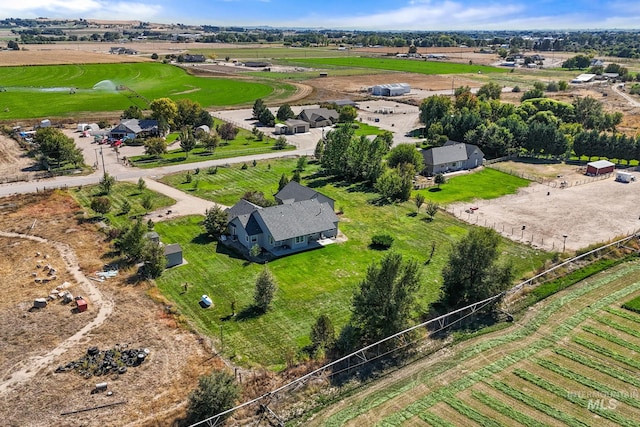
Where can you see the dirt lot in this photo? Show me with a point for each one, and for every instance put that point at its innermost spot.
(588, 210)
(14, 163)
(154, 392)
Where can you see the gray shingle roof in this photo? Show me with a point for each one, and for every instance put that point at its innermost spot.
(298, 219)
(449, 153)
(295, 192)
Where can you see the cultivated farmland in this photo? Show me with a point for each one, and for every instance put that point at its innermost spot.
(404, 65)
(65, 90)
(569, 361)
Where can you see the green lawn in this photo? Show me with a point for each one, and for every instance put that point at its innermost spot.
(41, 91)
(243, 145)
(367, 129)
(404, 65)
(119, 193)
(311, 283)
(485, 184)
(633, 305)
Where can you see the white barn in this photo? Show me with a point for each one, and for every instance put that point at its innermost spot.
(391, 89)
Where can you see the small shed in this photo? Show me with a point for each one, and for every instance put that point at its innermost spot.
(173, 254)
(153, 236)
(81, 304)
(281, 129)
(296, 126)
(600, 167)
(625, 177)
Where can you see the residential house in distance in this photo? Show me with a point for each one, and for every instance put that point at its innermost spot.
(303, 220)
(118, 50)
(193, 58)
(134, 128)
(291, 127)
(319, 117)
(452, 156)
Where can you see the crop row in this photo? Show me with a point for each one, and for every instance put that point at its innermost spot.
(612, 338)
(574, 398)
(623, 314)
(622, 328)
(471, 413)
(600, 367)
(536, 404)
(435, 420)
(506, 410)
(588, 382)
(606, 352)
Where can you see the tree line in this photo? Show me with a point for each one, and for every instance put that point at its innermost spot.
(540, 126)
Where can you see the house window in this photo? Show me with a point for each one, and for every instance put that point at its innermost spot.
(299, 239)
(246, 238)
(271, 240)
(254, 239)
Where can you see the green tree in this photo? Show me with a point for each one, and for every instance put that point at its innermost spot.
(126, 207)
(154, 259)
(285, 113)
(490, 90)
(13, 45)
(53, 145)
(347, 114)
(227, 131)
(106, 183)
(439, 179)
(281, 143)
(142, 184)
(258, 107)
(210, 141)
(297, 177)
(432, 209)
(419, 201)
(215, 221)
(266, 118)
(155, 146)
(265, 290)
(132, 241)
(405, 154)
(154, 56)
(319, 150)
(216, 393)
(164, 110)
(283, 182)
(187, 141)
(187, 114)
(385, 298)
(472, 272)
(147, 202)
(133, 112)
(323, 334)
(434, 108)
(302, 163)
(101, 205)
(394, 185)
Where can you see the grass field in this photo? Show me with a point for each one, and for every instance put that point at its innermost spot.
(311, 283)
(64, 90)
(119, 193)
(633, 305)
(404, 65)
(485, 184)
(570, 362)
(243, 145)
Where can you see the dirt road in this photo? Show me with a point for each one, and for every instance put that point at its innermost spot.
(30, 367)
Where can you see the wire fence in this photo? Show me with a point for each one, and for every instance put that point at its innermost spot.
(398, 350)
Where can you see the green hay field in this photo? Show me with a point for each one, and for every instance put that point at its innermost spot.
(404, 65)
(65, 90)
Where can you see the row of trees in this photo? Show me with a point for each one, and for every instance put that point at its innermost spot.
(539, 126)
(53, 147)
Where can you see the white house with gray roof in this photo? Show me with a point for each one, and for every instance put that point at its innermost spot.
(452, 156)
(292, 226)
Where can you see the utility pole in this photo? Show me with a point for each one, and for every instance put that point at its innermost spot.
(564, 243)
(104, 170)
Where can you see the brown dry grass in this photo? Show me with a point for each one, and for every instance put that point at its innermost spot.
(155, 391)
(62, 56)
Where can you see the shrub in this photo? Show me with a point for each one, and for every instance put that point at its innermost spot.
(212, 170)
(188, 178)
(244, 166)
(382, 241)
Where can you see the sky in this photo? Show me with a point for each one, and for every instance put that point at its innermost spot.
(422, 15)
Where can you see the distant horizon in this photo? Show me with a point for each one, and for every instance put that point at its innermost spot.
(373, 15)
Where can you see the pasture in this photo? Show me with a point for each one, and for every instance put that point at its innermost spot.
(403, 65)
(68, 90)
(310, 283)
(568, 362)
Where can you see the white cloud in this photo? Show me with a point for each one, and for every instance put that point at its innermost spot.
(423, 15)
(80, 8)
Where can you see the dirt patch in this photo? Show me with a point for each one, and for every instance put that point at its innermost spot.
(14, 162)
(63, 54)
(565, 202)
(141, 319)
